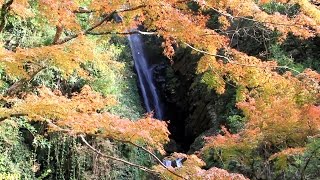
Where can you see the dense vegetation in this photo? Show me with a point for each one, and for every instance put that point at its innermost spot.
(70, 107)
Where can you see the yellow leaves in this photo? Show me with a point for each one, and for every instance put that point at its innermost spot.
(241, 94)
(248, 71)
(214, 81)
(147, 130)
(305, 25)
(287, 152)
(60, 13)
(309, 9)
(206, 63)
(21, 8)
(224, 22)
(53, 105)
(221, 174)
(67, 57)
(278, 123)
(264, 1)
(191, 169)
(79, 114)
(279, 111)
(281, 158)
(191, 166)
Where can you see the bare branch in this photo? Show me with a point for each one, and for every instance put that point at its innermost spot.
(253, 20)
(106, 18)
(117, 159)
(123, 33)
(83, 11)
(12, 115)
(236, 63)
(205, 52)
(59, 31)
(130, 9)
(17, 86)
(153, 155)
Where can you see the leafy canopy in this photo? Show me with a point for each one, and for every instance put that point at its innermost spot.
(261, 89)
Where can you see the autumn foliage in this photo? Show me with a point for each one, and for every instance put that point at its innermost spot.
(261, 95)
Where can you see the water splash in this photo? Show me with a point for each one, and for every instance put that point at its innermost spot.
(145, 76)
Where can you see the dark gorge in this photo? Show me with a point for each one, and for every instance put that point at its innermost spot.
(180, 97)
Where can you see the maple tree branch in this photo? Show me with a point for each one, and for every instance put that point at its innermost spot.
(59, 31)
(123, 33)
(17, 86)
(153, 155)
(205, 52)
(106, 18)
(117, 159)
(12, 115)
(4, 11)
(240, 64)
(253, 20)
(130, 9)
(83, 11)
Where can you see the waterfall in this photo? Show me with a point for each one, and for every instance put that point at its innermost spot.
(145, 76)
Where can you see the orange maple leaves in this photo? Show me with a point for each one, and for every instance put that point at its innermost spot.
(79, 115)
(191, 169)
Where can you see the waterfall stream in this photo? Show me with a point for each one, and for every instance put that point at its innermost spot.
(145, 76)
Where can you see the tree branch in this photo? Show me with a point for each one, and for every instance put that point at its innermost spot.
(130, 9)
(117, 159)
(59, 31)
(106, 18)
(16, 87)
(12, 115)
(253, 20)
(205, 52)
(123, 33)
(153, 155)
(83, 11)
(233, 62)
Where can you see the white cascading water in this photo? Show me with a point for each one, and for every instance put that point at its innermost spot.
(145, 76)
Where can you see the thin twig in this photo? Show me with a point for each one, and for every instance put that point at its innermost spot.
(153, 155)
(205, 52)
(236, 63)
(253, 20)
(83, 11)
(16, 87)
(59, 31)
(123, 33)
(12, 115)
(106, 18)
(117, 159)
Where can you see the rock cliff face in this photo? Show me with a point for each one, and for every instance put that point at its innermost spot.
(192, 108)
